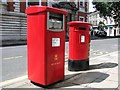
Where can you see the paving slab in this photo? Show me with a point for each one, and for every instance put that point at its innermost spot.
(114, 70)
(102, 75)
(77, 86)
(118, 87)
(100, 83)
(110, 77)
(18, 84)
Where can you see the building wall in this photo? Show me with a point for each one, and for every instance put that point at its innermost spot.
(14, 20)
(94, 18)
(13, 26)
(82, 15)
(83, 10)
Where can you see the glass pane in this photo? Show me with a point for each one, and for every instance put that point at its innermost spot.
(32, 2)
(55, 21)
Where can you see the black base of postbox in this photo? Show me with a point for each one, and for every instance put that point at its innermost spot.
(78, 65)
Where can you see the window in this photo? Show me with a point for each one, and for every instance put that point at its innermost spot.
(106, 21)
(31, 2)
(111, 21)
(81, 18)
(4, 1)
(96, 23)
(82, 3)
(51, 2)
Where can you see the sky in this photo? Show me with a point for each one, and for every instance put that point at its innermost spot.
(91, 9)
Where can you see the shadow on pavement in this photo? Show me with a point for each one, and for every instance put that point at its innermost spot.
(83, 78)
(103, 65)
(79, 79)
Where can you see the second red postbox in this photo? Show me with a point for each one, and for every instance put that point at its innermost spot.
(46, 44)
(79, 45)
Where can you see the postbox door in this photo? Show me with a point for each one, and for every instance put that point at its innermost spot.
(55, 47)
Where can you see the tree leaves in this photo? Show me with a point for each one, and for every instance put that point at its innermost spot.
(109, 9)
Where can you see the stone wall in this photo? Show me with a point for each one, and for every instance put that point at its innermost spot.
(12, 26)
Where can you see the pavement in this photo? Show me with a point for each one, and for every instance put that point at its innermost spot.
(102, 75)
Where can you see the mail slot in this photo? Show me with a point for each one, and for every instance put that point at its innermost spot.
(46, 44)
(79, 45)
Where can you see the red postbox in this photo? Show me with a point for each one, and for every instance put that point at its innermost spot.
(46, 44)
(79, 45)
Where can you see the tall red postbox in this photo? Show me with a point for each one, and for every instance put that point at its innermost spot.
(46, 44)
(79, 45)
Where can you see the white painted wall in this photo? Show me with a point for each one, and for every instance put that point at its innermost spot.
(94, 19)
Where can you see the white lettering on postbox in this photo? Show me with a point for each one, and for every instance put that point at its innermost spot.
(55, 42)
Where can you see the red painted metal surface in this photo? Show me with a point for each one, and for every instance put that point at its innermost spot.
(78, 48)
(36, 9)
(45, 63)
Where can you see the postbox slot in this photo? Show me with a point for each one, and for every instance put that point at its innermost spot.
(81, 28)
(55, 21)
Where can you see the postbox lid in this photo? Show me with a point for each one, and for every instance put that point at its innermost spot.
(74, 23)
(37, 9)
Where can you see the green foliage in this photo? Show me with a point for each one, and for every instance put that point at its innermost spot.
(101, 26)
(110, 9)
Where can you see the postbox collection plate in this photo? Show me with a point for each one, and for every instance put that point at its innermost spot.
(55, 42)
(82, 38)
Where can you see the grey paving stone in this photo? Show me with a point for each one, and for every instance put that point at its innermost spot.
(113, 70)
(103, 65)
(18, 84)
(29, 85)
(83, 81)
(76, 86)
(94, 74)
(108, 88)
(89, 88)
(118, 87)
(103, 84)
(61, 85)
(101, 76)
(86, 78)
(112, 77)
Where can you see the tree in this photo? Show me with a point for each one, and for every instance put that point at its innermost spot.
(101, 26)
(109, 9)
